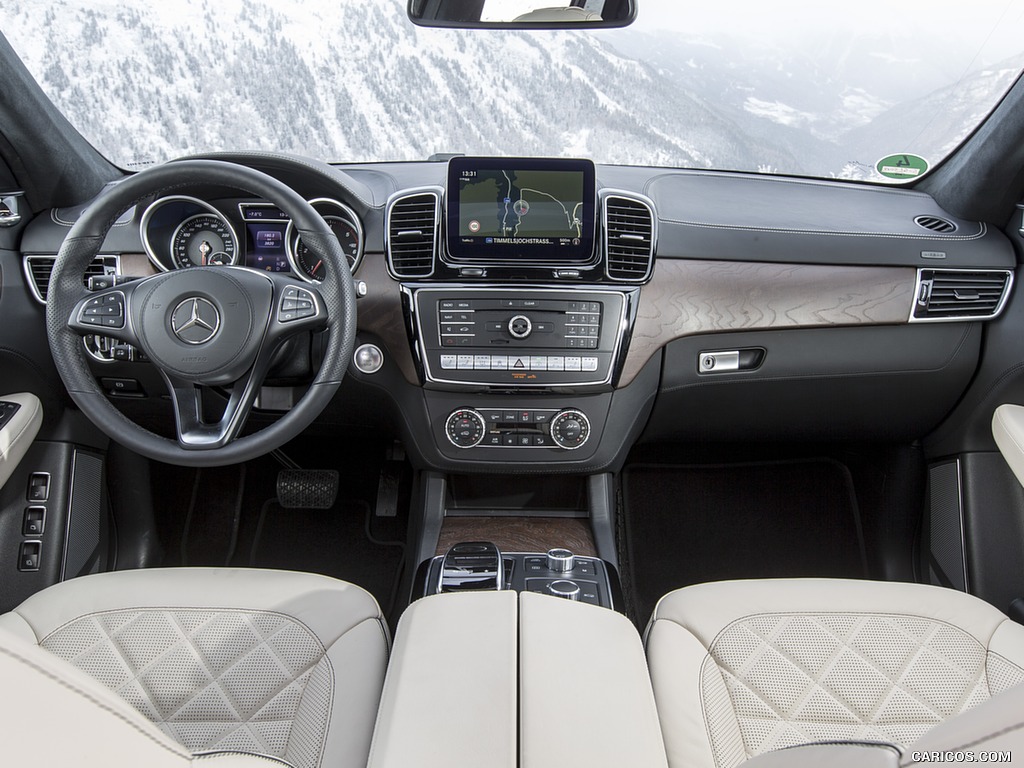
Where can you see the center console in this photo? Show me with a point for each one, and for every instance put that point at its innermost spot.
(521, 284)
(479, 566)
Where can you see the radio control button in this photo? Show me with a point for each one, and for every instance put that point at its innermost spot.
(494, 327)
(520, 327)
(449, 362)
(543, 327)
(556, 363)
(589, 364)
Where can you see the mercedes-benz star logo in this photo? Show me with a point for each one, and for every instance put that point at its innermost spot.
(195, 320)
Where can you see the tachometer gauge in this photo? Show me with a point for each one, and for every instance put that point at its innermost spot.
(346, 227)
(203, 240)
(312, 266)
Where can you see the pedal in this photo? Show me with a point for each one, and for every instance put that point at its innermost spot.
(389, 482)
(307, 488)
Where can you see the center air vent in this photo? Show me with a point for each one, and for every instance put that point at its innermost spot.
(38, 269)
(954, 294)
(936, 224)
(629, 238)
(413, 234)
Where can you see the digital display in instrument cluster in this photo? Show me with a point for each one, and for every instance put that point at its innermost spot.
(265, 245)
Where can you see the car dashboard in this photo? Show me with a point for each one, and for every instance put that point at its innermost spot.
(709, 306)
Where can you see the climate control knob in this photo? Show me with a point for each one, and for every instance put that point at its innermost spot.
(465, 428)
(570, 429)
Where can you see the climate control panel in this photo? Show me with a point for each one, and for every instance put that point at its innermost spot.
(566, 428)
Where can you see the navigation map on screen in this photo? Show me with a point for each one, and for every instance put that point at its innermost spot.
(530, 212)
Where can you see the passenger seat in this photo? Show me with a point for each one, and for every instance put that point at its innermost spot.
(747, 668)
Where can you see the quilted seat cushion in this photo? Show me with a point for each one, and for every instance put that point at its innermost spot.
(214, 681)
(745, 668)
(280, 664)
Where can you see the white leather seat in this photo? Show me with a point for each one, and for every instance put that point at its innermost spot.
(747, 667)
(285, 665)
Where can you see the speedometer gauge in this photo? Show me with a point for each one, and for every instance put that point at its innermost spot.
(203, 240)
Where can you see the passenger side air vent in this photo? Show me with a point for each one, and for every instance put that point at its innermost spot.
(38, 269)
(936, 224)
(413, 234)
(955, 294)
(629, 238)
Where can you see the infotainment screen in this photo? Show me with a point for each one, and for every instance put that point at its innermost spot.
(520, 210)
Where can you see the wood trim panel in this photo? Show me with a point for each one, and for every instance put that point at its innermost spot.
(688, 297)
(520, 534)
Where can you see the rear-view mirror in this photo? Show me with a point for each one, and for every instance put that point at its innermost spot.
(522, 14)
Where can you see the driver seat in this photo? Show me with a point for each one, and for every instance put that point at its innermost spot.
(285, 666)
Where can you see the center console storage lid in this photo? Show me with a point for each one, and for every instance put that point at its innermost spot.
(450, 694)
(585, 696)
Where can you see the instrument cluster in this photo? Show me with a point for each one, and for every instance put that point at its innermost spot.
(180, 231)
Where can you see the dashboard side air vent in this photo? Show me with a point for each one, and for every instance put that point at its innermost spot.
(38, 269)
(960, 294)
(935, 224)
(629, 232)
(412, 234)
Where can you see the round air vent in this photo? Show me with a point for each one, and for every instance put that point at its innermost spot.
(935, 224)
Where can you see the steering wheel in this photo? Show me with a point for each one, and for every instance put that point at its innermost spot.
(203, 326)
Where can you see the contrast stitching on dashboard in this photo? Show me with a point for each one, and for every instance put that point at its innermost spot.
(752, 179)
(983, 230)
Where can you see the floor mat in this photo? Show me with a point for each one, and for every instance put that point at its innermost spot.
(691, 524)
(336, 542)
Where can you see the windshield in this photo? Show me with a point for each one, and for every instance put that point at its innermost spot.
(816, 89)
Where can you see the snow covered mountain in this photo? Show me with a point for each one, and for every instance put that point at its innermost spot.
(353, 81)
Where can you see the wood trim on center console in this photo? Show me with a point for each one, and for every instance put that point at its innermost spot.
(520, 534)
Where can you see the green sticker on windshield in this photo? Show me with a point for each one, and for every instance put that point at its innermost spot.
(902, 167)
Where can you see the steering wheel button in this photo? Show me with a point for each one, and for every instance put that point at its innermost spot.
(289, 304)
